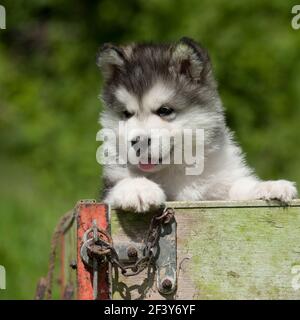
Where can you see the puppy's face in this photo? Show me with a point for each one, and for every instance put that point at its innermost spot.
(155, 92)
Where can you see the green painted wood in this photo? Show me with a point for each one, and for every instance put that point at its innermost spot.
(226, 250)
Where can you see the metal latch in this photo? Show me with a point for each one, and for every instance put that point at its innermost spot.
(166, 260)
(165, 256)
(159, 248)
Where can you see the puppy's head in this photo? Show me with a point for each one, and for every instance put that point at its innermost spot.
(158, 91)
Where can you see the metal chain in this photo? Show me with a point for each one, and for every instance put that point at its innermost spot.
(100, 247)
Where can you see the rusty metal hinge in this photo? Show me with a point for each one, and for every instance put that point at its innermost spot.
(164, 256)
(166, 261)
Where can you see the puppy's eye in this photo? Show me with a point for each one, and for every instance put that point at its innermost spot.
(127, 114)
(164, 111)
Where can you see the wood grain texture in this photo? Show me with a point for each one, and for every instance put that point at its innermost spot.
(226, 250)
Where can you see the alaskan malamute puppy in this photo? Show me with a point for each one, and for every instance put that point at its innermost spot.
(171, 87)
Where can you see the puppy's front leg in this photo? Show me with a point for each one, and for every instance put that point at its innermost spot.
(250, 189)
(137, 194)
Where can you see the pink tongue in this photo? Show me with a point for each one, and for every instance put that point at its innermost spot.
(146, 166)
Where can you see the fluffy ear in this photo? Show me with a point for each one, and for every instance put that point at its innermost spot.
(191, 60)
(110, 58)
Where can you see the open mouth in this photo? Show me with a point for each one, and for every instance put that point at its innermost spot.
(149, 166)
(146, 166)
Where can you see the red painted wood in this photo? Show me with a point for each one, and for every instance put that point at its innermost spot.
(86, 213)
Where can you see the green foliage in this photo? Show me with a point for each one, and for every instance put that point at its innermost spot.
(49, 85)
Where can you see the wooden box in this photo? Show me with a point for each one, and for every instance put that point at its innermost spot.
(225, 250)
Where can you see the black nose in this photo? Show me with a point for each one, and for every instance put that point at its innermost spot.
(135, 141)
(144, 141)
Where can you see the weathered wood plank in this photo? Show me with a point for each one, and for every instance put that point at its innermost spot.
(231, 203)
(226, 250)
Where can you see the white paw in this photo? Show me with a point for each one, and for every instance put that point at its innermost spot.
(137, 194)
(282, 190)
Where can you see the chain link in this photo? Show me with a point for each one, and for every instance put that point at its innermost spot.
(100, 245)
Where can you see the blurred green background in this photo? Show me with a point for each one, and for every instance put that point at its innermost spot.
(49, 85)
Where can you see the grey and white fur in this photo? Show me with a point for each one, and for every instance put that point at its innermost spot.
(171, 86)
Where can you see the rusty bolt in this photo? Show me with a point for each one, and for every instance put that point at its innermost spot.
(132, 252)
(167, 284)
(73, 264)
